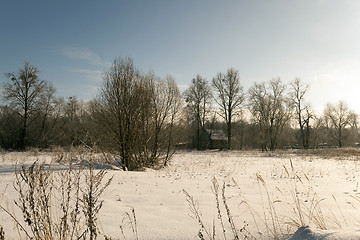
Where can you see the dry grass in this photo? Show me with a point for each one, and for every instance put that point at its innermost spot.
(129, 222)
(351, 153)
(62, 204)
(326, 153)
(281, 214)
(224, 221)
(2, 233)
(338, 153)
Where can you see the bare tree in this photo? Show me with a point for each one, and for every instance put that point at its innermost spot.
(49, 114)
(166, 101)
(259, 106)
(9, 132)
(197, 98)
(136, 113)
(117, 110)
(145, 129)
(270, 110)
(302, 110)
(337, 118)
(230, 97)
(23, 91)
(175, 106)
(72, 112)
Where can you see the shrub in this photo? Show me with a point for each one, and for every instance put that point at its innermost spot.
(54, 203)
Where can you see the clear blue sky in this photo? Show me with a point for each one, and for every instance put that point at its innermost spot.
(72, 42)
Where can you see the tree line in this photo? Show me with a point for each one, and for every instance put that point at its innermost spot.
(141, 118)
(270, 115)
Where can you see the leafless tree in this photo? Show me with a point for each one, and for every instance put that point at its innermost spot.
(167, 101)
(270, 111)
(230, 97)
(118, 111)
(198, 99)
(137, 115)
(72, 112)
(144, 130)
(337, 118)
(303, 111)
(173, 117)
(9, 132)
(23, 91)
(259, 105)
(49, 114)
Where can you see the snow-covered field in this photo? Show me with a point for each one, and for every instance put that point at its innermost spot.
(269, 194)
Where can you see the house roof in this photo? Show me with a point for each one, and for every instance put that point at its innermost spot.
(217, 134)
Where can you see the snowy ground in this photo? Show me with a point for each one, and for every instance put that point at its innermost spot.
(309, 190)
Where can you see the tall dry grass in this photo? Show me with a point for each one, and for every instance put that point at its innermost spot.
(281, 213)
(224, 220)
(58, 204)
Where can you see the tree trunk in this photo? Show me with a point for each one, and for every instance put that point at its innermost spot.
(229, 128)
(229, 136)
(339, 138)
(22, 144)
(169, 141)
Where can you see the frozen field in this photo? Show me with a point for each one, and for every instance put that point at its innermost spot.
(267, 193)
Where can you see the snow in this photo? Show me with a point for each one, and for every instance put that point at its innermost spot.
(326, 191)
(305, 233)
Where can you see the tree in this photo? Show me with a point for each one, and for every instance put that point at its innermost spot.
(23, 92)
(175, 106)
(118, 109)
(337, 118)
(270, 111)
(166, 101)
(48, 116)
(197, 98)
(259, 108)
(230, 97)
(136, 114)
(9, 131)
(302, 110)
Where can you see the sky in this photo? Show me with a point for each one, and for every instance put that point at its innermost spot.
(73, 42)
